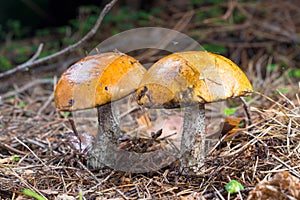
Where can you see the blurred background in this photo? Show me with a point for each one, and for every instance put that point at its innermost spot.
(248, 32)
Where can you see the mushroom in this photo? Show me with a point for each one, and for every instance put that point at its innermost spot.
(189, 80)
(96, 81)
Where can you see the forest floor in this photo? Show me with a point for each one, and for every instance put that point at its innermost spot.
(38, 152)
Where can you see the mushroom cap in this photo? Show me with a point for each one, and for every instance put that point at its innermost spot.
(97, 80)
(186, 78)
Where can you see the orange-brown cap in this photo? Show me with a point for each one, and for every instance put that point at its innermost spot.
(96, 80)
(185, 78)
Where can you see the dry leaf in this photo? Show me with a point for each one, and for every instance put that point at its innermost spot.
(282, 186)
(231, 125)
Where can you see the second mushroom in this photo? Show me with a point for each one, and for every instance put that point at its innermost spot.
(190, 80)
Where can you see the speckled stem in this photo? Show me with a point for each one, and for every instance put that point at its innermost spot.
(193, 139)
(105, 150)
(108, 133)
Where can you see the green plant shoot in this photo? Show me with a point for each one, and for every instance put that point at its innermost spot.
(16, 158)
(229, 111)
(234, 187)
(32, 194)
(21, 104)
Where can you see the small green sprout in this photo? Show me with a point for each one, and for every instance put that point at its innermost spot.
(294, 73)
(66, 114)
(80, 194)
(247, 99)
(297, 73)
(32, 194)
(229, 111)
(233, 187)
(242, 124)
(21, 104)
(5, 64)
(272, 67)
(215, 48)
(283, 90)
(16, 158)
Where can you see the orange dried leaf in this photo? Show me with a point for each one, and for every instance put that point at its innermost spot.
(231, 126)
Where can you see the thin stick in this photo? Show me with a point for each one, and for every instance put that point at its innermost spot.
(28, 185)
(27, 86)
(247, 110)
(180, 25)
(27, 147)
(92, 189)
(88, 171)
(220, 168)
(230, 9)
(268, 98)
(36, 54)
(75, 133)
(32, 62)
(121, 193)
(45, 105)
(218, 193)
(6, 146)
(294, 172)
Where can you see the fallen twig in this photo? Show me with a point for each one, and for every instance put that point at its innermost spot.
(33, 62)
(27, 86)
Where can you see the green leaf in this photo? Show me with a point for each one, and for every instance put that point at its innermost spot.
(297, 73)
(248, 99)
(16, 158)
(43, 32)
(66, 114)
(199, 2)
(5, 64)
(80, 194)
(214, 48)
(294, 73)
(229, 111)
(272, 67)
(21, 104)
(32, 194)
(283, 90)
(241, 124)
(233, 187)
(239, 18)
(21, 58)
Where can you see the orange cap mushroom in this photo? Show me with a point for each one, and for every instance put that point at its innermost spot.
(92, 81)
(186, 78)
(191, 79)
(96, 81)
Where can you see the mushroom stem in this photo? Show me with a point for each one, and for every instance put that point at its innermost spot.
(107, 137)
(107, 122)
(193, 139)
(106, 151)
